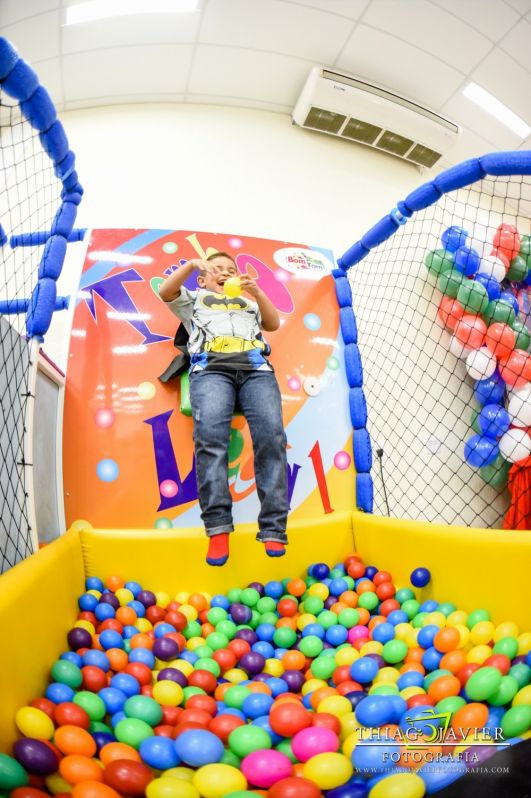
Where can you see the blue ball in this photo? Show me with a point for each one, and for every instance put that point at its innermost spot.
(220, 601)
(129, 632)
(138, 607)
(198, 747)
(113, 698)
(274, 589)
(506, 296)
(399, 707)
(87, 602)
(257, 704)
(363, 670)
(431, 659)
(265, 631)
(104, 611)
(528, 659)
(481, 451)
(430, 605)
(189, 656)
(314, 630)
(410, 679)
(397, 616)
(426, 635)
(162, 629)
(94, 583)
(117, 717)
(371, 571)
(159, 752)
(352, 789)
(375, 758)
(490, 390)
(97, 658)
(233, 711)
(143, 655)
(102, 738)
(320, 571)
(277, 686)
(134, 587)
(336, 634)
(375, 710)
(420, 577)
(337, 586)
(384, 632)
(71, 656)
(264, 648)
(454, 237)
(355, 697)
(126, 683)
(494, 421)
(59, 692)
(467, 261)
(111, 639)
(440, 774)
(263, 722)
(490, 284)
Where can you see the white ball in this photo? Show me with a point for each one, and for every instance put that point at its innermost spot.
(458, 349)
(515, 445)
(519, 407)
(481, 364)
(493, 266)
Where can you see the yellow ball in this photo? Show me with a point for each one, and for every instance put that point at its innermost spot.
(372, 647)
(411, 639)
(96, 593)
(328, 770)
(506, 629)
(86, 625)
(387, 675)
(189, 612)
(401, 785)
(232, 287)
(464, 634)
(273, 667)
(391, 689)
(482, 633)
(195, 642)
(346, 656)
(56, 783)
(183, 773)
(182, 597)
(124, 596)
(479, 654)
(235, 676)
(349, 725)
(336, 705)
(143, 625)
(171, 788)
(402, 630)
(33, 722)
(409, 692)
(457, 618)
(216, 781)
(312, 685)
(182, 665)
(435, 619)
(524, 643)
(305, 620)
(163, 599)
(207, 596)
(349, 744)
(168, 693)
(319, 590)
(523, 696)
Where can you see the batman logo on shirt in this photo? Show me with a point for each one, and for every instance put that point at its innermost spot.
(220, 302)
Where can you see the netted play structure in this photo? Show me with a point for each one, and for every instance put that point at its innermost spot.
(38, 203)
(440, 290)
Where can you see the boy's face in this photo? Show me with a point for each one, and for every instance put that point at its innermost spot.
(219, 270)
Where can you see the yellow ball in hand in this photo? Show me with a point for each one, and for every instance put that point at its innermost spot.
(232, 287)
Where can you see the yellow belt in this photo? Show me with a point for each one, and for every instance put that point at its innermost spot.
(228, 344)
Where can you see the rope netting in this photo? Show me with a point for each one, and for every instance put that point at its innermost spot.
(443, 317)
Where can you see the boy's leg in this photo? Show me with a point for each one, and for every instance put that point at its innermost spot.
(212, 396)
(260, 400)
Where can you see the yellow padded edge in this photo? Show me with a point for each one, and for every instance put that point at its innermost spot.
(172, 560)
(37, 608)
(470, 567)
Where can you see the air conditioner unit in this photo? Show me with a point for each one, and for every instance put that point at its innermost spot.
(353, 109)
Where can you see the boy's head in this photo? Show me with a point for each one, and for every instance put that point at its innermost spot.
(221, 267)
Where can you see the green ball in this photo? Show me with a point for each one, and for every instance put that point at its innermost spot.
(311, 646)
(91, 703)
(410, 607)
(350, 582)
(434, 675)
(192, 629)
(143, 708)
(516, 721)
(404, 594)
(525, 245)
(284, 637)
(506, 691)
(337, 573)
(98, 726)
(269, 617)
(450, 704)
(348, 618)
(476, 616)
(368, 601)
(446, 608)
(523, 339)
(285, 748)
(522, 674)
(12, 774)
(207, 664)
(439, 261)
(310, 580)
(497, 473)
(483, 683)
(499, 310)
(314, 605)
(231, 759)
(394, 651)
(241, 794)
(473, 296)
(234, 595)
(419, 620)
(323, 667)
(326, 619)
(216, 614)
(188, 692)
(250, 596)
(203, 652)
(67, 672)
(385, 689)
(450, 282)
(246, 739)
(474, 421)
(132, 731)
(217, 640)
(235, 696)
(227, 628)
(517, 270)
(266, 604)
(507, 646)
(127, 646)
(256, 619)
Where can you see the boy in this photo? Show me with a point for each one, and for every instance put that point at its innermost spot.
(229, 368)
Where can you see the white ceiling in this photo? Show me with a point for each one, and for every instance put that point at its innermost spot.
(258, 53)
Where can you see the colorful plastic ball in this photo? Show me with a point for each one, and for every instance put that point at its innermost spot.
(12, 773)
(127, 777)
(218, 781)
(74, 740)
(198, 747)
(364, 670)
(248, 738)
(375, 710)
(32, 722)
(264, 768)
(483, 684)
(35, 756)
(454, 237)
(516, 721)
(159, 753)
(132, 731)
(420, 577)
(143, 708)
(312, 741)
(289, 718)
(294, 787)
(328, 770)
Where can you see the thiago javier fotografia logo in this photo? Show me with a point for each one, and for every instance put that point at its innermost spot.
(431, 730)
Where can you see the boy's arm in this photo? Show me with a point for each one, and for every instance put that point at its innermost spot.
(269, 313)
(170, 289)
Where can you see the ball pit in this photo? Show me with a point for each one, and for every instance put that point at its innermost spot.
(293, 689)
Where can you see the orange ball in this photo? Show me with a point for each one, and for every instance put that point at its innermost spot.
(94, 789)
(319, 695)
(198, 601)
(446, 639)
(294, 661)
(415, 654)
(470, 716)
(444, 687)
(453, 661)
(118, 658)
(413, 666)
(75, 769)
(126, 616)
(364, 616)
(141, 640)
(291, 623)
(338, 607)
(113, 751)
(366, 587)
(114, 583)
(74, 740)
(296, 587)
(350, 598)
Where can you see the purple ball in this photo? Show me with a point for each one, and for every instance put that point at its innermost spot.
(147, 598)
(240, 613)
(103, 738)
(109, 598)
(165, 648)
(252, 662)
(377, 658)
(355, 697)
(258, 586)
(34, 755)
(520, 658)
(329, 602)
(248, 635)
(261, 677)
(482, 752)
(79, 638)
(173, 675)
(294, 680)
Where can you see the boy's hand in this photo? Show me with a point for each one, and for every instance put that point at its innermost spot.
(199, 264)
(248, 284)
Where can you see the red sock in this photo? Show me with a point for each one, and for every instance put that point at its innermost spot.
(274, 548)
(218, 549)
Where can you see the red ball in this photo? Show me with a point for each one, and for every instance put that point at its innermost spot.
(196, 716)
(239, 647)
(70, 714)
(385, 590)
(289, 718)
(470, 331)
(179, 639)
(28, 792)
(341, 674)
(94, 679)
(225, 658)
(382, 576)
(140, 671)
(420, 700)
(203, 679)
(356, 569)
(171, 715)
(182, 727)
(154, 614)
(127, 776)
(287, 608)
(110, 623)
(45, 705)
(165, 730)
(450, 312)
(500, 339)
(499, 661)
(349, 686)
(388, 606)
(176, 619)
(88, 616)
(147, 689)
(294, 787)
(327, 721)
(204, 702)
(466, 672)
(223, 725)
(515, 368)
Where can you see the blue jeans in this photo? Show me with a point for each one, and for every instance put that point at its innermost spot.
(214, 395)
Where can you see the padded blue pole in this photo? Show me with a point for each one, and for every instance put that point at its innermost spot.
(42, 236)
(13, 307)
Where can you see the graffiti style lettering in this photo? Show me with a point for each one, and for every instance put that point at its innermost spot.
(166, 464)
(317, 461)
